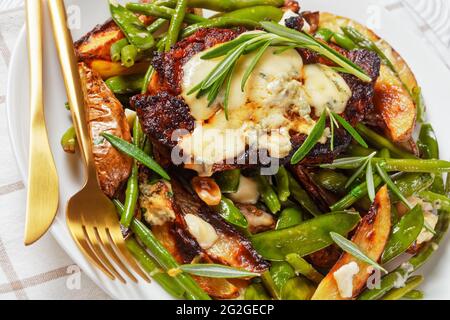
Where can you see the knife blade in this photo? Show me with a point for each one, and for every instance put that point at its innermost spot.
(43, 188)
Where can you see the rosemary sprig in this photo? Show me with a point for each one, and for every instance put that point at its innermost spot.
(274, 35)
(354, 250)
(360, 170)
(216, 271)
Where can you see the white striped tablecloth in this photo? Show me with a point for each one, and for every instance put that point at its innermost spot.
(44, 271)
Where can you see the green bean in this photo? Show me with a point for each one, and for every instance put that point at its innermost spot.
(151, 71)
(325, 34)
(125, 84)
(361, 41)
(298, 289)
(151, 267)
(176, 24)
(331, 180)
(355, 150)
(132, 191)
(268, 195)
(116, 49)
(162, 12)
(344, 41)
(358, 193)
(442, 201)
(69, 140)
(302, 197)
(301, 266)
(223, 5)
(384, 153)
(381, 142)
(403, 165)
(128, 55)
(416, 262)
(429, 149)
(306, 238)
(282, 179)
(256, 13)
(412, 183)
(289, 217)
(419, 101)
(227, 210)
(136, 153)
(133, 28)
(256, 291)
(156, 25)
(229, 180)
(399, 293)
(414, 295)
(164, 258)
(404, 233)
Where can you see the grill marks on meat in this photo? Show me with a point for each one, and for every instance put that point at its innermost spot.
(164, 112)
(169, 66)
(161, 115)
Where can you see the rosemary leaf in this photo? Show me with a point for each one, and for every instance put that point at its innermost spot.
(347, 126)
(227, 91)
(353, 249)
(357, 174)
(253, 64)
(384, 175)
(311, 141)
(369, 180)
(217, 271)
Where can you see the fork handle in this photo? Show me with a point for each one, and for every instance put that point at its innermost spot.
(69, 67)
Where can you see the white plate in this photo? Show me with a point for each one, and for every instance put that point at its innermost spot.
(431, 73)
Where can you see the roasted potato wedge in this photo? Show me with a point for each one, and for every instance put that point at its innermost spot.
(371, 237)
(392, 97)
(96, 45)
(105, 114)
(107, 69)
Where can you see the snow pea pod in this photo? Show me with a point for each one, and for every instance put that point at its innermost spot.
(281, 273)
(412, 183)
(302, 197)
(220, 22)
(305, 238)
(388, 282)
(325, 34)
(223, 5)
(116, 49)
(268, 195)
(298, 289)
(443, 201)
(256, 291)
(410, 285)
(227, 210)
(301, 266)
(429, 149)
(331, 180)
(343, 41)
(228, 181)
(133, 28)
(289, 217)
(404, 233)
(282, 179)
(256, 13)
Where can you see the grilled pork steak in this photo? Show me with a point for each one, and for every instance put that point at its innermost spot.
(164, 110)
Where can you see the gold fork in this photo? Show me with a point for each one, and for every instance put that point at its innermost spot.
(91, 216)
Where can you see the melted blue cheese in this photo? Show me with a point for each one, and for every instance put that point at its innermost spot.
(279, 97)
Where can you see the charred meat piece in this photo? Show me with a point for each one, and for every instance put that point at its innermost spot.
(105, 114)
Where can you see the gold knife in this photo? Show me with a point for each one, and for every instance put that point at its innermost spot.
(43, 193)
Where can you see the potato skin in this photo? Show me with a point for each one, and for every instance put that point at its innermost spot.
(371, 237)
(395, 109)
(104, 113)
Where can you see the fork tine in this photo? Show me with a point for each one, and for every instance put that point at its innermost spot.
(117, 238)
(96, 246)
(105, 241)
(80, 239)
